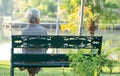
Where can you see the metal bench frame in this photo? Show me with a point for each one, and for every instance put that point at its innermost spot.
(50, 41)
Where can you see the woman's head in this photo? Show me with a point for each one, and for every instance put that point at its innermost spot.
(32, 15)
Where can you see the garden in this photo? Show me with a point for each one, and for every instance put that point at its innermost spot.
(101, 17)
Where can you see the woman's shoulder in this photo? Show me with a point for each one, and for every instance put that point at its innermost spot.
(39, 26)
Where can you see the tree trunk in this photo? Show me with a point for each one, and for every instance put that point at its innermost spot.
(91, 27)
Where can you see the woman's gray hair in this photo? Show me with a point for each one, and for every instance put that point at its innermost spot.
(32, 14)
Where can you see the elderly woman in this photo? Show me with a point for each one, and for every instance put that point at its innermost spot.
(32, 16)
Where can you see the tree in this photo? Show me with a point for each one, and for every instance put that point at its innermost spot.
(47, 7)
(20, 7)
(96, 12)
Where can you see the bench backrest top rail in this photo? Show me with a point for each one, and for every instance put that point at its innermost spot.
(51, 41)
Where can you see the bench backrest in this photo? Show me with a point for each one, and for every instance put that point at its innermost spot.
(76, 42)
(33, 41)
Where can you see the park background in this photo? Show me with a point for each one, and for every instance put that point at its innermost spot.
(68, 17)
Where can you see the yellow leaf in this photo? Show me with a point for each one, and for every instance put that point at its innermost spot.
(63, 27)
(95, 73)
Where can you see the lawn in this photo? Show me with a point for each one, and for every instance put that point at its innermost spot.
(5, 71)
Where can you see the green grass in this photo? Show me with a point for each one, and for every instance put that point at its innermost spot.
(5, 71)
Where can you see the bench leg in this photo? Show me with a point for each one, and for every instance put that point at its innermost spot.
(12, 71)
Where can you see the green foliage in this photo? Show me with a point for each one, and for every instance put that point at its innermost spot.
(90, 65)
(112, 3)
(33, 3)
(47, 7)
(103, 11)
(84, 65)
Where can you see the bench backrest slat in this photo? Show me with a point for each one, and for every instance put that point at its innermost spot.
(76, 42)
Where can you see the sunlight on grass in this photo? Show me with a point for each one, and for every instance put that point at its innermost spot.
(57, 71)
(115, 69)
(4, 64)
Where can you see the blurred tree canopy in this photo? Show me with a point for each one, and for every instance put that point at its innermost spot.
(98, 7)
(95, 12)
(47, 7)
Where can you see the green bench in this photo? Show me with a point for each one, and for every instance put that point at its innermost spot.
(50, 41)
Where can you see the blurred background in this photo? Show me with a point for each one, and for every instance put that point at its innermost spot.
(66, 15)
